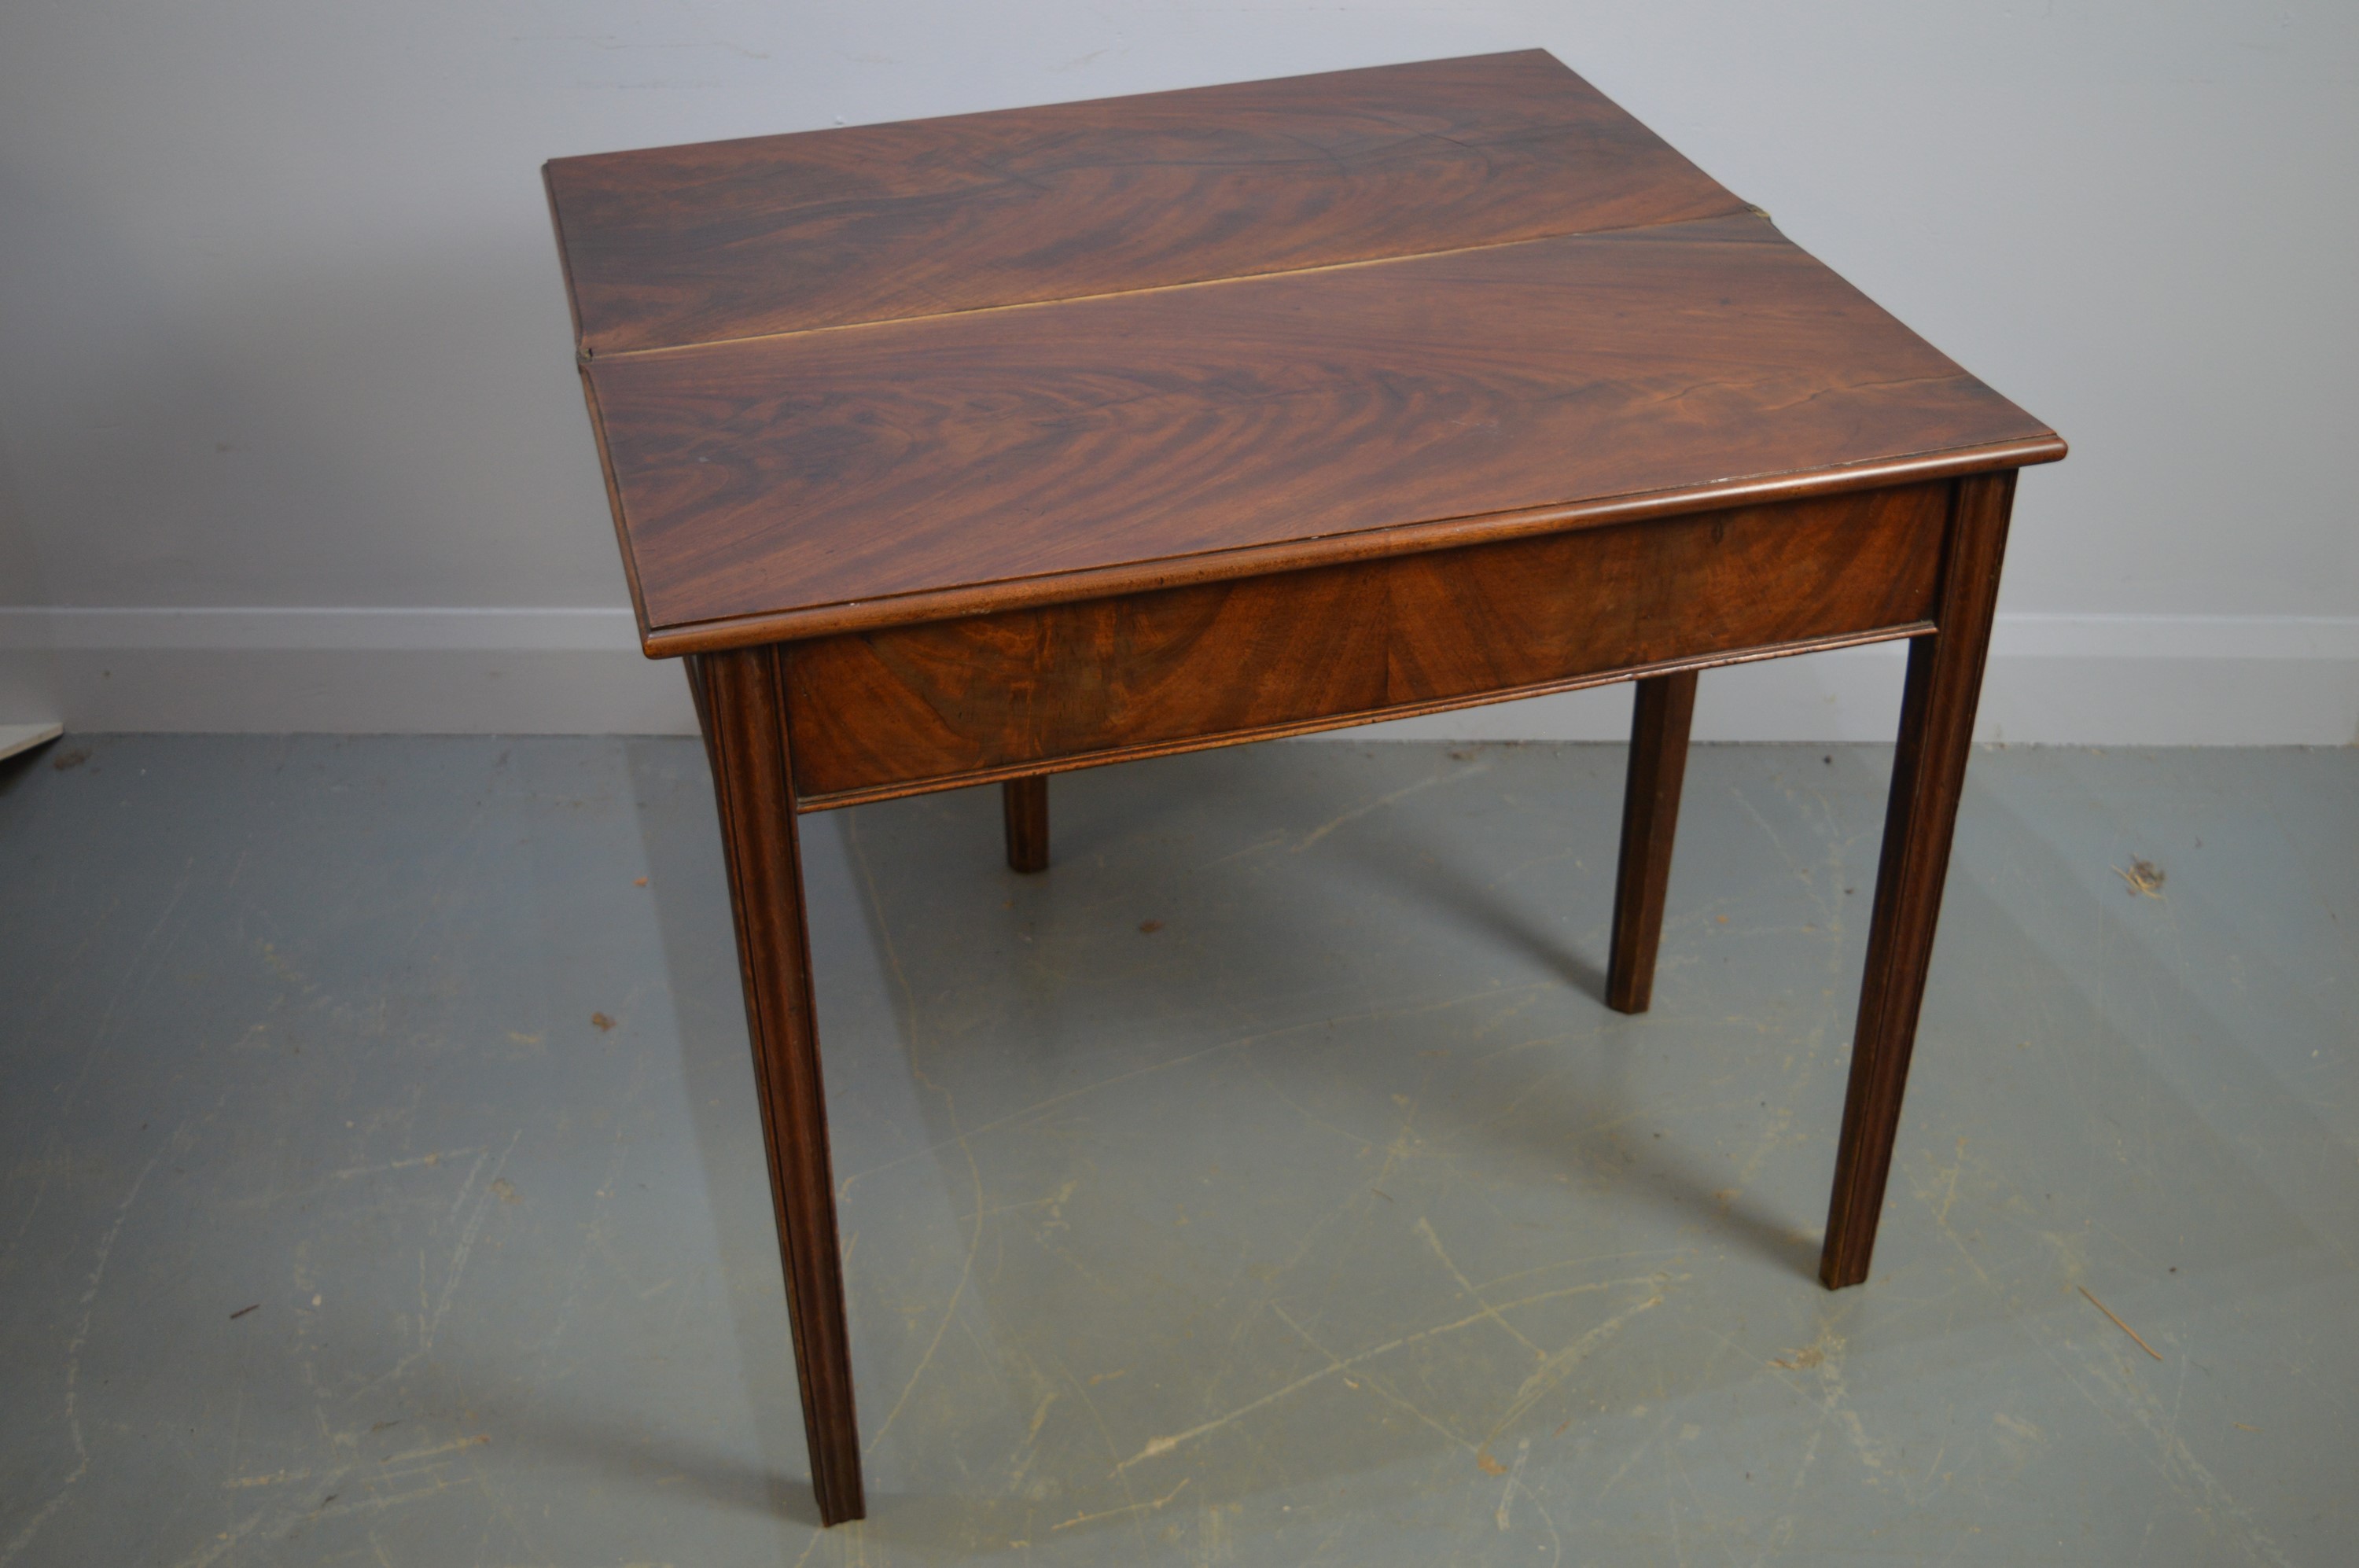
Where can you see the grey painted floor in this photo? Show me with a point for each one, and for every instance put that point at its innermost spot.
(1265, 1184)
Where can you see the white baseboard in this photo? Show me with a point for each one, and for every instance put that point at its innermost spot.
(353, 671)
(2053, 678)
(2052, 681)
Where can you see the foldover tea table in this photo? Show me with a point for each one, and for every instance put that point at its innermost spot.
(968, 450)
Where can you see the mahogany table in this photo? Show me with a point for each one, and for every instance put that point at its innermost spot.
(970, 450)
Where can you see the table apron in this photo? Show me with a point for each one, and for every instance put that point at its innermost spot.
(909, 709)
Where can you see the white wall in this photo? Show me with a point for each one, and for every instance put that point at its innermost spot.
(281, 329)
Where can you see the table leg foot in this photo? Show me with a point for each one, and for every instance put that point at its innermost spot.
(1650, 817)
(741, 704)
(1928, 772)
(1025, 802)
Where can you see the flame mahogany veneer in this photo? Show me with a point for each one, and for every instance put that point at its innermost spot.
(909, 708)
(974, 449)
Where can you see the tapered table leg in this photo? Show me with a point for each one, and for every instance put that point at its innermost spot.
(1929, 770)
(1025, 802)
(1650, 816)
(740, 703)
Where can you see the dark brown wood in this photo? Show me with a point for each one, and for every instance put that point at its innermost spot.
(873, 223)
(968, 450)
(909, 708)
(1025, 802)
(990, 454)
(1664, 708)
(1928, 772)
(740, 701)
(1232, 565)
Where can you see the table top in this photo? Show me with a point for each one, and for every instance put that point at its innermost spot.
(868, 377)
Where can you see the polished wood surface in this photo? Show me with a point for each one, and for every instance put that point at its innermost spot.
(988, 451)
(1929, 773)
(971, 450)
(1659, 718)
(883, 375)
(1024, 803)
(744, 722)
(914, 707)
(783, 233)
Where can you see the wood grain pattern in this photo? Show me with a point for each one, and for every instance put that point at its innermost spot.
(905, 708)
(739, 706)
(973, 449)
(758, 479)
(782, 233)
(1659, 719)
(1929, 773)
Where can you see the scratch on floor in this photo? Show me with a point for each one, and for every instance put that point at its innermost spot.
(1125, 1511)
(453, 1446)
(1950, 1192)
(1425, 1229)
(1514, 1479)
(430, 1315)
(1239, 1042)
(1381, 802)
(1105, 1432)
(966, 1267)
(2189, 1478)
(57, 1130)
(1158, 1446)
(1374, 1385)
(1831, 1348)
(1554, 1369)
(1632, 1458)
(433, 1158)
(275, 1479)
(960, 1136)
(41, 1516)
(226, 1543)
(467, 1235)
(1781, 1534)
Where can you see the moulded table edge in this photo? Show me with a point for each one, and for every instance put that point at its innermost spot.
(717, 635)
